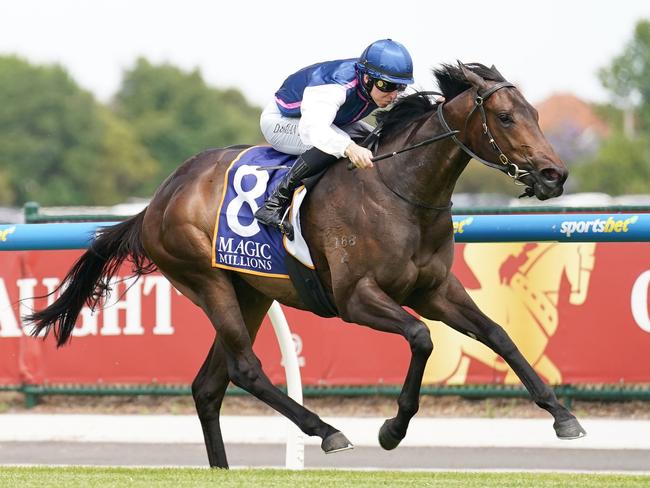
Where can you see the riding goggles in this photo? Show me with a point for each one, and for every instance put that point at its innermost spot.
(388, 86)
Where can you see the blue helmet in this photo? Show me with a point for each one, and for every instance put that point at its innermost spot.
(387, 60)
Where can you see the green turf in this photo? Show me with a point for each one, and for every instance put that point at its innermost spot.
(86, 477)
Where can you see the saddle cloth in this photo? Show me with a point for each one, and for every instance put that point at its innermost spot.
(240, 242)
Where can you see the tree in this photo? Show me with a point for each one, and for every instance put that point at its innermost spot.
(58, 146)
(622, 166)
(628, 76)
(176, 115)
(122, 165)
(7, 195)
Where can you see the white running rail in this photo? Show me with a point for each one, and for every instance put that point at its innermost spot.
(295, 453)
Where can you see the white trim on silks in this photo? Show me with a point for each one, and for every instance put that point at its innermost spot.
(298, 247)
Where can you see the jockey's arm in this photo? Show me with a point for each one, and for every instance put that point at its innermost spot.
(319, 107)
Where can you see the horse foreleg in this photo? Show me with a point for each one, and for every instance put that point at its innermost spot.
(369, 305)
(549, 370)
(208, 390)
(455, 307)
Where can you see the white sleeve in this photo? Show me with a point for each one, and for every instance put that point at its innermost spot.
(319, 107)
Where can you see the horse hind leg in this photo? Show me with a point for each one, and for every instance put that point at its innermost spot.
(208, 390)
(220, 301)
(209, 386)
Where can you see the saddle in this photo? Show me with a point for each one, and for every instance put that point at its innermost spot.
(241, 243)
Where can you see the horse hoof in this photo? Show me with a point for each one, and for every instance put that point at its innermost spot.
(335, 443)
(387, 440)
(569, 429)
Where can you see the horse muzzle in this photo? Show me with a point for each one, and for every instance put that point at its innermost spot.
(546, 183)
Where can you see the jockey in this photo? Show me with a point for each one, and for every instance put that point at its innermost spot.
(318, 110)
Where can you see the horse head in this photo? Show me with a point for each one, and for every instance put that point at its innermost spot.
(503, 131)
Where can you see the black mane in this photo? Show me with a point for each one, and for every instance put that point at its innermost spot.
(451, 83)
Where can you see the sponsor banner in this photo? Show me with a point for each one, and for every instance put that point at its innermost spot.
(578, 312)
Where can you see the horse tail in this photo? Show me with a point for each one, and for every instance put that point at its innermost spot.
(89, 279)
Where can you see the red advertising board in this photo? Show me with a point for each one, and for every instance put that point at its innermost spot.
(579, 313)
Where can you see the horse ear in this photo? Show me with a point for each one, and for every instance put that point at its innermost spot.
(472, 77)
(496, 71)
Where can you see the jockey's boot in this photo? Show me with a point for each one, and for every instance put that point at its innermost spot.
(272, 212)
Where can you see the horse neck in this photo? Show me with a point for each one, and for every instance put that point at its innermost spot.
(427, 175)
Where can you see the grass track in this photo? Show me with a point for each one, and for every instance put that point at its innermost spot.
(89, 477)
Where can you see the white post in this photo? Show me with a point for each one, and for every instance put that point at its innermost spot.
(295, 454)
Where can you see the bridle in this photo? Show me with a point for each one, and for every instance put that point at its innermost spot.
(504, 164)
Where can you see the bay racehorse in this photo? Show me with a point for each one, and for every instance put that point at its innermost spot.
(396, 223)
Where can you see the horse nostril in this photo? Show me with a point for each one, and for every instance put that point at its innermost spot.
(551, 175)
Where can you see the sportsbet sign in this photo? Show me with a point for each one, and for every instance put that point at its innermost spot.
(552, 228)
(598, 226)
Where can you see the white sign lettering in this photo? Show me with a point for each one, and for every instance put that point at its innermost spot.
(121, 313)
(8, 323)
(639, 301)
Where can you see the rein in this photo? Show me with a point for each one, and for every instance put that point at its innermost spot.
(416, 203)
(504, 164)
(431, 140)
(410, 200)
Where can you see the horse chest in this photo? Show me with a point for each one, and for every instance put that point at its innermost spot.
(399, 278)
(433, 266)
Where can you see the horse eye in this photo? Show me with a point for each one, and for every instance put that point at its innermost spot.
(505, 118)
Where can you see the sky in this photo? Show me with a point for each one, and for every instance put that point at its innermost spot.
(544, 46)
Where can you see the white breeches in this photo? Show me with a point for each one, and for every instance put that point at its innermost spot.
(282, 132)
